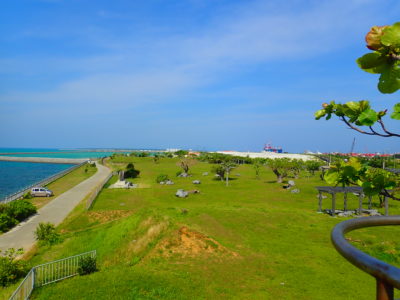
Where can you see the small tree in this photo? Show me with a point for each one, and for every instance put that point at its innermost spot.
(312, 166)
(46, 233)
(257, 163)
(280, 167)
(11, 269)
(295, 167)
(186, 163)
(223, 170)
(228, 166)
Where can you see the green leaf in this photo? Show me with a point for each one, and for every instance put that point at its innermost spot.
(389, 81)
(364, 104)
(355, 163)
(396, 112)
(391, 35)
(332, 177)
(367, 117)
(353, 105)
(372, 62)
(369, 189)
(319, 114)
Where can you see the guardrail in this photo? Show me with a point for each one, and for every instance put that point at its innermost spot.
(96, 191)
(43, 182)
(387, 276)
(48, 273)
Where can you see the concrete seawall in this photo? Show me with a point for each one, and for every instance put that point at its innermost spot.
(44, 160)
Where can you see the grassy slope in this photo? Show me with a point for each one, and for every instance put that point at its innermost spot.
(282, 244)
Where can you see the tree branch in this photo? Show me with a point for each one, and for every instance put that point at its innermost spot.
(372, 130)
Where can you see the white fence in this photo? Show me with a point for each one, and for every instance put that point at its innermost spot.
(21, 193)
(48, 273)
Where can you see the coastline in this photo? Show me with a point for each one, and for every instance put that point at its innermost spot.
(48, 180)
(44, 160)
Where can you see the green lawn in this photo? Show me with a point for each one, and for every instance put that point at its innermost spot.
(250, 240)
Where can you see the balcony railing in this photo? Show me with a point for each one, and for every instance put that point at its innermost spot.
(387, 276)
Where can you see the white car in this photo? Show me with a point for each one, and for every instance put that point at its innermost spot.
(41, 192)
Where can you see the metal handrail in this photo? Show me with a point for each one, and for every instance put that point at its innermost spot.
(387, 276)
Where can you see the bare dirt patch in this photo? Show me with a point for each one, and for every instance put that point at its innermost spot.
(188, 243)
(107, 215)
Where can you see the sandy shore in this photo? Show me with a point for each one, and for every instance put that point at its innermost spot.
(268, 155)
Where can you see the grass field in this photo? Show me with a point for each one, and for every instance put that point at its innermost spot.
(250, 240)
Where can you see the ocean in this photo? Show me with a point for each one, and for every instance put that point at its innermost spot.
(15, 176)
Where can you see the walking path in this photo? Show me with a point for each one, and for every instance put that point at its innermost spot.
(22, 236)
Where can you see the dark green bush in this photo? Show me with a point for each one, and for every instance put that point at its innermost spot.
(6, 222)
(20, 209)
(87, 265)
(162, 177)
(46, 233)
(131, 172)
(11, 269)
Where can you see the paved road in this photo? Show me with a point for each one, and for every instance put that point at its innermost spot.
(22, 236)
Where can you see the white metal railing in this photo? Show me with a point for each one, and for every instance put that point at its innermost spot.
(48, 180)
(25, 288)
(96, 191)
(48, 273)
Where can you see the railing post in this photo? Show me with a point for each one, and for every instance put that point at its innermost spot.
(320, 201)
(384, 291)
(360, 200)
(33, 277)
(333, 204)
(386, 206)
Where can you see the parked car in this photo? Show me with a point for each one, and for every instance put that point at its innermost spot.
(41, 192)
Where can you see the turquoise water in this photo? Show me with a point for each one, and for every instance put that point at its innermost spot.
(30, 152)
(15, 176)
(56, 153)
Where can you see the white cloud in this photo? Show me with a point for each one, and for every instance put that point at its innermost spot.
(159, 68)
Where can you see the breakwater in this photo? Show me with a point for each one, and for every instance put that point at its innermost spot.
(44, 160)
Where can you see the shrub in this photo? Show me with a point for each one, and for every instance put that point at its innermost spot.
(20, 209)
(11, 269)
(131, 172)
(6, 222)
(162, 177)
(218, 169)
(87, 265)
(46, 233)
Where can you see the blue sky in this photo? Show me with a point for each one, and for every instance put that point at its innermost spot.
(201, 74)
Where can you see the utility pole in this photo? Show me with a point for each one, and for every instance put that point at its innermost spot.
(352, 145)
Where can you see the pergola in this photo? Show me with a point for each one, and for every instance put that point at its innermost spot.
(333, 190)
